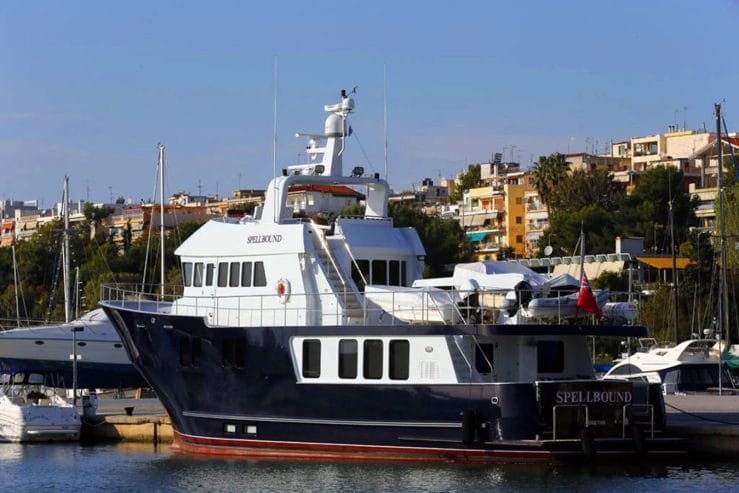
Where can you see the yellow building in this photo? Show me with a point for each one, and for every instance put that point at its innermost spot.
(494, 216)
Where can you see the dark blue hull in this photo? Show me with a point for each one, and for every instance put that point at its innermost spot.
(261, 406)
(89, 375)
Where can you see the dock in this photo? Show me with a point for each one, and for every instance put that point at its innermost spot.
(709, 422)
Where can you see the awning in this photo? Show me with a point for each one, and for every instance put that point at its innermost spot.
(7, 226)
(664, 262)
(477, 235)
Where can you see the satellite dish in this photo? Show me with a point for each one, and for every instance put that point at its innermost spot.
(548, 250)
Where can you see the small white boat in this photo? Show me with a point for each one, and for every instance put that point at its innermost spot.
(691, 366)
(31, 410)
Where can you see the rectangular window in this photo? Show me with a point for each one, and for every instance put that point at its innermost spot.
(372, 367)
(198, 279)
(550, 356)
(311, 358)
(379, 272)
(403, 276)
(348, 354)
(222, 275)
(519, 238)
(233, 280)
(484, 358)
(519, 220)
(209, 274)
(185, 352)
(197, 352)
(394, 273)
(260, 279)
(229, 428)
(187, 273)
(361, 268)
(246, 274)
(399, 353)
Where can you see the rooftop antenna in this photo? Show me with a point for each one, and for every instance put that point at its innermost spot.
(274, 129)
(384, 104)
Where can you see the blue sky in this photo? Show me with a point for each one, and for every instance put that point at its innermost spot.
(88, 88)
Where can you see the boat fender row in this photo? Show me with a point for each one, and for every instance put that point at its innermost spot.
(283, 290)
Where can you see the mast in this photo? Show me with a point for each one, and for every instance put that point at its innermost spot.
(161, 213)
(65, 252)
(674, 259)
(723, 311)
(15, 281)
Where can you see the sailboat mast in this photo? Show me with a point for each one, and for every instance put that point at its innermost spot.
(161, 214)
(15, 281)
(65, 252)
(724, 304)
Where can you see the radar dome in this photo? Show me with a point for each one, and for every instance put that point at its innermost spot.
(334, 126)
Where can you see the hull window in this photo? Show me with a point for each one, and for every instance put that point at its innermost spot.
(191, 352)
(399, 352)
(234, 352)
(484, 358)
(550, 356)
(372, 368)
(187, 273)
(222, 275)
(348, 356)
(311, 358)
(185, 351)
(359, 269)
(394, 272)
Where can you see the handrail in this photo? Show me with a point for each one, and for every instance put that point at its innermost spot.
(354, 261)
(324, 245)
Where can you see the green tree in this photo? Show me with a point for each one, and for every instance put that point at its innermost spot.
(467, 180)
(548, 173)
(443, 239)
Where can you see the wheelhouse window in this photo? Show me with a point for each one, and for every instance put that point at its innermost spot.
(372, 367)
(187, 273)
(311, 358)
(359, 269)
(379, 272)
(348, 355)
(198, 279)
(550, 356)
(260, 278)
(209, 274)
(234, 275)
(394, 271)
(399, 352)
(222, 275)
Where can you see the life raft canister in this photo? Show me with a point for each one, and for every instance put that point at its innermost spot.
(283, 290)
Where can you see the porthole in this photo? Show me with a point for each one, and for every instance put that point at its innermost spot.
(117, 345)
(38, 342)
(82, 344)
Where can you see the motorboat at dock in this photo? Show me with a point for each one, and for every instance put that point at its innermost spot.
(274, 348)
(32, 410)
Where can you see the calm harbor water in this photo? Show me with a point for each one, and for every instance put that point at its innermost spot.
(129, 467)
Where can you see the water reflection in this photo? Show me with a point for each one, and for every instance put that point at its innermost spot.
(143, 467)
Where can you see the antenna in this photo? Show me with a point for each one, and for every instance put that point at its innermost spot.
(384, 104)
(274, 131)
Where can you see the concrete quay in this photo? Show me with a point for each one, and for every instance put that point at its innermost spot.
(709, 422)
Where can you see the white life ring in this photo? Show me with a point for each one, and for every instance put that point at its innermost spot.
(283, 290)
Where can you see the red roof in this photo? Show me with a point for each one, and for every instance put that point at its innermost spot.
(332, 189)
(734, 141)
(7, 226)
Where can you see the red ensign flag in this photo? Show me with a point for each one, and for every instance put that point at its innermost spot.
(585, 300)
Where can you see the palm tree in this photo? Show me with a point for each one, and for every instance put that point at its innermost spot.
(547, 174)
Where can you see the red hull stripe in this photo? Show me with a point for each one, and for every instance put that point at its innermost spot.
(301, 450)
